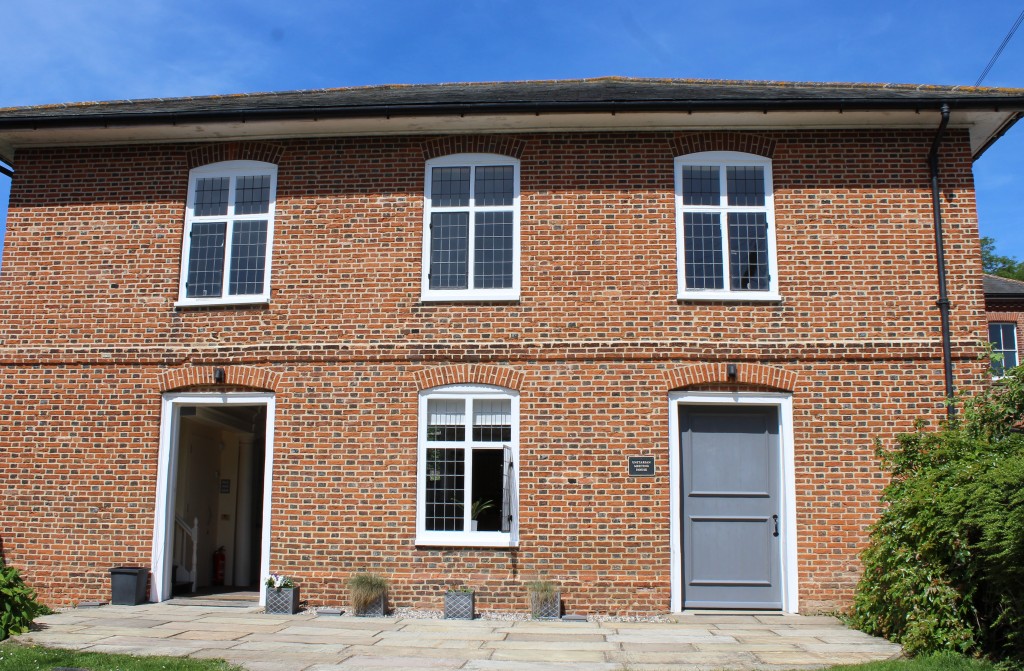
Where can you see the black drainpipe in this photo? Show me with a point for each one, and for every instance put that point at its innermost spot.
(943, 302)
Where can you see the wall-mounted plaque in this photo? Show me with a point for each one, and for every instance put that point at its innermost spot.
(640, 466)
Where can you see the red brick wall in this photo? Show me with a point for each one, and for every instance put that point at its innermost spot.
(90, 338)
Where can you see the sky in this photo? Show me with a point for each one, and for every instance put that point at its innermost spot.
(69, 50)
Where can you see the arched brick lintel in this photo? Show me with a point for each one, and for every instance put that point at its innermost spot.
(748, 143)
(249, 377)
(747, 374)
(267, 152)
(505, 145)
(499, 376)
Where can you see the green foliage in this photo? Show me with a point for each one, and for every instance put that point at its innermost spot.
(945, 566)
(18, 605)
(365, 588)
(36, 658)
(1004, 266)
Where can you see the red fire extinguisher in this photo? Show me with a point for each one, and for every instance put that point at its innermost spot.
(220, 558)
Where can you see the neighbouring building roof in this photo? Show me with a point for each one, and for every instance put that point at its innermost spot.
(1002, 288)
(606, 103)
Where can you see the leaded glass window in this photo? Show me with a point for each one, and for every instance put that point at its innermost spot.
(228, 232)
(472, 219)
(468, 443)
(726, 226)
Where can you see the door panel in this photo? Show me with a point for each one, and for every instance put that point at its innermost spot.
(731, 463)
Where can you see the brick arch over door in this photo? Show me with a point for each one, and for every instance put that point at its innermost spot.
(249, 377)
(748, 143)
(498, 376)
(266, 152)
(747, 374)
(504, 145)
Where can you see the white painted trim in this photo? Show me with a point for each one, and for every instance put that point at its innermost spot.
(722, 160)
(465, 538)
(232, 169)
(784, 403)
(170, 414)
(470, 294)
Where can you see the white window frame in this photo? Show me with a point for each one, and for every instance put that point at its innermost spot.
(471, 294)
(721, 160)
(232, 170)
(467, 537)
(1003, 350)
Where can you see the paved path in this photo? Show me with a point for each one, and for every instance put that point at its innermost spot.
(307, 643)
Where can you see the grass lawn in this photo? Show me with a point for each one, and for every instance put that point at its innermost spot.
(14, 657)
(938, 662)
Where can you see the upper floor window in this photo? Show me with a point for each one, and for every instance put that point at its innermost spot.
(725, 227)
(468, 448)
(471, 240)
(229, 229)
(1003, 336)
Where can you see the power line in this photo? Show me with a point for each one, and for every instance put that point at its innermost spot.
(999, 51)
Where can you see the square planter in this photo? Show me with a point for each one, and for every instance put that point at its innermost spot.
(375, 609)
(282, 601)
(459, 605)
(546, 608)
(128, 585)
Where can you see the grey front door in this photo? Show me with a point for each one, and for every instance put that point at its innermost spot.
(731, 513)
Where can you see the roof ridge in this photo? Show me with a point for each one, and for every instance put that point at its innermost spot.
(758, 83)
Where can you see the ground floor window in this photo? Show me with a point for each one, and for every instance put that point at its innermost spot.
(468, 449)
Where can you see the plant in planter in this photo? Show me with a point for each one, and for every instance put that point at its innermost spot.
(368, 592)
(282, 595)
(545, 599)
(459, 604)
(479, 507)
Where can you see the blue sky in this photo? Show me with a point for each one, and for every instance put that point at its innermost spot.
(69, 50)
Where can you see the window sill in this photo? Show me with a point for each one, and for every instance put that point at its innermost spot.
(731, 296)
(218, 302)
(469, 296)
(469, 539)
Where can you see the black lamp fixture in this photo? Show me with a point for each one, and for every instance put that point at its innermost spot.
(730, 372)
(219, 376)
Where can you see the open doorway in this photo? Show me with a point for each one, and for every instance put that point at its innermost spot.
(213, 495)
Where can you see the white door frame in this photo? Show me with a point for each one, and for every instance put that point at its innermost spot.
(787, 488)
(163, 526)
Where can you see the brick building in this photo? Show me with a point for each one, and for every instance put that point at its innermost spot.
(634, 336)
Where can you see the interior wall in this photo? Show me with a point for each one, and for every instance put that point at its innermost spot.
(199, 463)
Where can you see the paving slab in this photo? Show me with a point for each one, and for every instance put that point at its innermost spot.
(507, 665)
(400, 662)
(576, 656)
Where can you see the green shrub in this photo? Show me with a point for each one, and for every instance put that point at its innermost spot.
(945, 566)
(18, 605)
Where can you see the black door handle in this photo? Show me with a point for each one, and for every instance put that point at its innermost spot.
(775, 518)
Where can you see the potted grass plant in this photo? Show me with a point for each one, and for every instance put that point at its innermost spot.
(545, 600)
(368, 593)
(459, 604)
(282, 595)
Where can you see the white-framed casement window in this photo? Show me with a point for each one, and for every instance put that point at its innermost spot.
(229, 232)
(725, 227)
(1003, 337)
(467, 490)
(471, 228)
